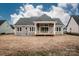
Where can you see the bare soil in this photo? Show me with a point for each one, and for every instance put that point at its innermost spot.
(62, 45)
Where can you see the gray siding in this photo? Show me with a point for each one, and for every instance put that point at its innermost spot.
(5, 28)
(59, 32)
(24, 31)
(28, 32)
(74, 26)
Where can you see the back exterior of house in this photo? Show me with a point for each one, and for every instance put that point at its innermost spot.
(42, 25)
(73, 25)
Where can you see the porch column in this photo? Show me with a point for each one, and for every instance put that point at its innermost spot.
(54, 28)
(35, 28)
(62, 30)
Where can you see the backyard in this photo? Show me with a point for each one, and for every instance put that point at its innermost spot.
(62, 45)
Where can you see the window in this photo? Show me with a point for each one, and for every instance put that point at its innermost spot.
(17, 28)
(44, 29)
(26, 28)
(59, 29)
(32, 28)
(20, 28)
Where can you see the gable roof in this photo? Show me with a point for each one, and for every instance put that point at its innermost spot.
(76, 18)
(28, 21)
(2, 21)
(12, 26)
(68, 22)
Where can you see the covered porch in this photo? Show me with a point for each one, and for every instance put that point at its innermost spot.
(44, 27)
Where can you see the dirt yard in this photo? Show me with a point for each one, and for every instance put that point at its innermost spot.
(11, 45)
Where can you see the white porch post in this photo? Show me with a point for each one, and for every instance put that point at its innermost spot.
(62, 30)
(54, 28)
(15, 31)
(35, 29)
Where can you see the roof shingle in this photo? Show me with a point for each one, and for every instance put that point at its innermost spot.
(76, 18)
(29, 21)
(2, 21)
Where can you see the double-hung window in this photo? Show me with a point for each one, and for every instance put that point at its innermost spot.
(19, 29)
(32, 28)
(58, 29)
(44, 29)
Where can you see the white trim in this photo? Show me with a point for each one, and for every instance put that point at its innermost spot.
(54, 28)
(43, 21)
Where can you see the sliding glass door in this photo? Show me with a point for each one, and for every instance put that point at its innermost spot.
(44, 29)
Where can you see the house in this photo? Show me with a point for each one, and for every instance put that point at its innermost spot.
(5, 28)
(73, 25)
(43, 25)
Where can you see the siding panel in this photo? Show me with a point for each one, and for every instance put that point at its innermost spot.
(74, 27)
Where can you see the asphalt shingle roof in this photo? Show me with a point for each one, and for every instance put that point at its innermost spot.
(12, 26)
(76, 18)
(29, 21)
(2, 21)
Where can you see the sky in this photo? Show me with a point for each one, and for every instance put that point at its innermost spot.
(9, 8)
(13, 11)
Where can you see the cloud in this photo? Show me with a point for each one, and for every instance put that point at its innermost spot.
(71, 8)
(15, 17)
(28, 10)
(57, 12)
(74, 5)
(62, 5)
